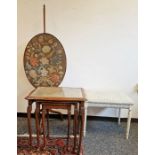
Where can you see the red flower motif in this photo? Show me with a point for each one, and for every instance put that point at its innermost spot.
(55, 77)
(53, 152)
(34, 61)
(60, 143)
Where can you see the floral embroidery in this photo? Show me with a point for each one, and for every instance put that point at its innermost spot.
(44, 72)
(41, 39)
(55, 77)
(33, 73)
(50, 41)
(44, 61)
(51, 69)
(56, 60)
(46, 49)
(34, 61)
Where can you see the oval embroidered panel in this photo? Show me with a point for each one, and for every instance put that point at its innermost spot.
(45, 61)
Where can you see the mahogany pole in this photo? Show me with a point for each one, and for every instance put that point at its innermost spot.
(44, 19)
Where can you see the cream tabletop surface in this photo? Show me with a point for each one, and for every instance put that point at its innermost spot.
(108, 97)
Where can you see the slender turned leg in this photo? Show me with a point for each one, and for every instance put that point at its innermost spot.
(47, 114)
(29, 109)
(82, 112)
(85, 122)
(78, 122)
(75, 126)
(74, 121)
(128, 123)
(40, 126)
(69, 119)
(119, 116)
(43, 127)
(37, 123)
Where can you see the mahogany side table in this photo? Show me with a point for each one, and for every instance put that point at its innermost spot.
(58, 96)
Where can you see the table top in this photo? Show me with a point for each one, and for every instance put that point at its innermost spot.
(57, 94)
(110, 97)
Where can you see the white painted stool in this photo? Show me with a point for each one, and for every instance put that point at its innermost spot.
(109, 100)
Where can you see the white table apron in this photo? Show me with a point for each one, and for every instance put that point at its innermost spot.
(110, 100)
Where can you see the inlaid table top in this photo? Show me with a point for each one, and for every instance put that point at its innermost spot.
(57, 93)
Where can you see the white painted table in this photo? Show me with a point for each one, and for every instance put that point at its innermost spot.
(109, 100)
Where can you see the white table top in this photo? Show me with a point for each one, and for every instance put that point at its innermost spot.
(107, 97)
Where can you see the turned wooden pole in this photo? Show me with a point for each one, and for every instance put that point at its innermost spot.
(44, 18)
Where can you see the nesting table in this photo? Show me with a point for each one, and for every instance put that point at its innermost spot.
(58, 96)
(110, 99)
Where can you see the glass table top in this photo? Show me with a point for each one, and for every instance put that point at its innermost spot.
(57, 93)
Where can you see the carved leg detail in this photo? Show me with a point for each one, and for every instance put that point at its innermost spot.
(37, 123)
(75, 126)
(69, 119)
(29, 109)
(43, 127)
(82, 112)
(47, 118)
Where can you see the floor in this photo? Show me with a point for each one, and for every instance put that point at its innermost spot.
(102, 138)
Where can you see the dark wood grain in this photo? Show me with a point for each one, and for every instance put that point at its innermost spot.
(57, 103)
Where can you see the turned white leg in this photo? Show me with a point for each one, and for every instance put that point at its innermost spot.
(128, 123)
(85, 117)
(119, 116)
